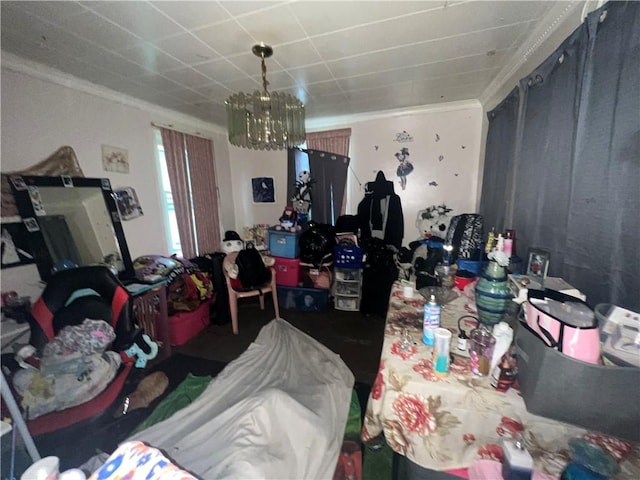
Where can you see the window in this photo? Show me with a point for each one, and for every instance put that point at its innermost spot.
(168, 208)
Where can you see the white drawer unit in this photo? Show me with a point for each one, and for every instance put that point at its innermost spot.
(347, 288)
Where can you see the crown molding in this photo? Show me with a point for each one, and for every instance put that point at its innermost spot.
(48, 74)
(349, 120)
(561, 17)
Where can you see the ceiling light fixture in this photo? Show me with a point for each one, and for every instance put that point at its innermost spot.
(263, 120)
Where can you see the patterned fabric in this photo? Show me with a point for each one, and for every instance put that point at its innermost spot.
(448, 423)
(465, 234)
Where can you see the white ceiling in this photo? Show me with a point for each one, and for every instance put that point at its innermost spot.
(338, 57)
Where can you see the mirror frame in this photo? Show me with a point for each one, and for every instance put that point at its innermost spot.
(20, 188)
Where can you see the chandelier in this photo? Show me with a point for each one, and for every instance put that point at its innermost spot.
(263, 120)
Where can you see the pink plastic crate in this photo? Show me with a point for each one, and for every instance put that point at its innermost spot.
(287, 271)
(184, 326)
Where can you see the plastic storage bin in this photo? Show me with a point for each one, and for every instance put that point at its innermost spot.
(596, 397)
(184, 326)
(303, 299)
(287, 271)
(348, 289)
(284, 244)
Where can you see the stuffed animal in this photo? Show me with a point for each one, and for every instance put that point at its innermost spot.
(232, 269)
(232, 242)
(302, 199)
(433, 222)
(289, 219)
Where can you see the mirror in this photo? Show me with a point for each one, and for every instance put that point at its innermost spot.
(72, 219)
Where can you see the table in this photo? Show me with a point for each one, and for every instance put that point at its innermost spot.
(448, 423)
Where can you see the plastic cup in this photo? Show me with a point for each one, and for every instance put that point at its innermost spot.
(481, 350)
(46, 468)
(441, 350)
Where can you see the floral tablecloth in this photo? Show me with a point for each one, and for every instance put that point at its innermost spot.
(448, 423)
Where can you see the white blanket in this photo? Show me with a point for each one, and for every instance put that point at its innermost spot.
(277, 411)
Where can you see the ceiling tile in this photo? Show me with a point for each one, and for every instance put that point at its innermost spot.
(114, 63)
(321, 17)
(296, 54)
(193, 14)
(236, 8)
(92, 27)
(187, 77)
(222, 70)
(188, 96)
(135, 16)
(151, 58)
(323, 88)
(277, 80)
(311, 74)
(157, 82)
(226, 38)
(273, 26)
(214, 92)
(51, 11)
(188, 48)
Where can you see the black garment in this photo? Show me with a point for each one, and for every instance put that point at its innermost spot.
(381, 209)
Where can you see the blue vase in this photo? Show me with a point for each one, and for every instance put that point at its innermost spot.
(492, 294)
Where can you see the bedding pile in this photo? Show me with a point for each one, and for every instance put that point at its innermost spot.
(277, 411)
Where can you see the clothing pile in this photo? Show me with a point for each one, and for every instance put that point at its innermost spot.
(75, 367)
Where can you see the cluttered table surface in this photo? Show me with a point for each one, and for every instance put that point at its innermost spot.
(449, 423)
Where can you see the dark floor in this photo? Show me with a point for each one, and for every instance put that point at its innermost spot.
(355, 337)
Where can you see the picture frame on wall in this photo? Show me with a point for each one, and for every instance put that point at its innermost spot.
(538, 263)
(263, 189)
(128, 203)
(115, 159)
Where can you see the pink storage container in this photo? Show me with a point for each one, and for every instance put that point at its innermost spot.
(287, 271)
(570, 329)
(184, 326)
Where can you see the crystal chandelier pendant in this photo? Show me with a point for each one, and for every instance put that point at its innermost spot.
(263, 120)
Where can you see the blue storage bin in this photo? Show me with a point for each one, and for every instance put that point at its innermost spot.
(284, 244)
(474, 266)
(303, 299)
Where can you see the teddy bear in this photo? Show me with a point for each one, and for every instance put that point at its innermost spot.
(433, 221)
(231, 245)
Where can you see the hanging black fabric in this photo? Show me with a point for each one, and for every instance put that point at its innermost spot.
(380, 212)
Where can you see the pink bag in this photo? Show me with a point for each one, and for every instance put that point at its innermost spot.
(565, 323)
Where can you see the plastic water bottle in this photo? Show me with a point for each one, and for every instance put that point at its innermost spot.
(431, 321)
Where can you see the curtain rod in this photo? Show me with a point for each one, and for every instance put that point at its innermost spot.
(169, 126)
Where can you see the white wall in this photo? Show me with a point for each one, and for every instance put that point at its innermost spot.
(247, 164)
(43, 110)
(450, 131)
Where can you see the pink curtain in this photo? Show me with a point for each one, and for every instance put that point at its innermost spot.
(204, 193)
(332, 141)
(174, 153)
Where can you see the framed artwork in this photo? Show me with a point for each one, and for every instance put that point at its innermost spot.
(538, 263)
(128, 204)
(263, 189)
(115, 159)
(16, 249)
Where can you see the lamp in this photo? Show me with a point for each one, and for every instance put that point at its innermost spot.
(263, 120)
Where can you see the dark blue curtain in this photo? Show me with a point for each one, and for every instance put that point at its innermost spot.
(500, 154)
(573, 186)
